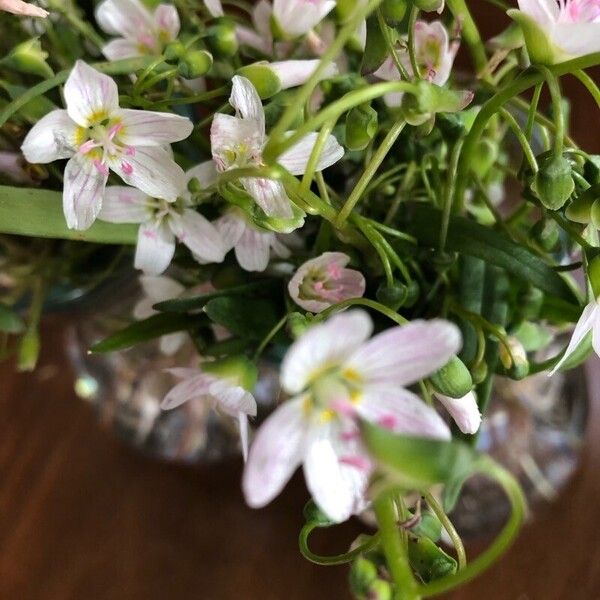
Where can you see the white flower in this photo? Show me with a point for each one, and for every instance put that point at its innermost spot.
(589, 321)
(238, 141)
(214, 7)
(18, 7)
(464, 411)
(297, 17)
(225, 394)
(252, 245)
(161, 223)
(260, 38)
(336, 375)
(324, 281)
(558, 30)
(140, 31)
(435, 56)
(96, 135)
(160, 289)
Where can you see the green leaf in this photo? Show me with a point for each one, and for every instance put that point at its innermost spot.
(532, 336)
(10, 322)
(375, 49)
(181, 305)
(247, 318)
(468, 237)
(418, 463)
(39, 213)
(148, 329)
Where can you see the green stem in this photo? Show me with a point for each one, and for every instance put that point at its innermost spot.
(435, 506)
(304, 93)
(315, 155)
(449, 194)
(557, 109)
(506, 537)
(119, 67)
(381, 308)
(79, 24)
(370, 172)
(339, 559)
(522, 139)
(385, 31)
(222, 91)
(374, 238)
(269, 337)
(470, 33)
(395, 552)
(589, 83)
(361, 96)
(152, 81)
(535, 101)
(412, 53)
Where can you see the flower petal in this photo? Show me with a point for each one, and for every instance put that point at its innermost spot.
(155, 249)
(214, 7)
(246, 101)
(233, 399)
(296, 158)
(297, 17)
(577, 39)
(337, 488)
(51, 138)
(90, 95)
(277, 451)
(404, 355)
(83, 190)
(231, 226)
(292, 73)
(206, 173)
(401, 411)
(124, 17)
(589, 316)
(149, 128)
(166, 18)
(190, 388)
(124, 204)
(228, 135)
(18, 7)
(254, 249)
(544, 12)
(270, 196)
(152, 170)
(464, 411)
(171, 343)
(325, 344)
(120, 48)
(199, 235)
(159, 289)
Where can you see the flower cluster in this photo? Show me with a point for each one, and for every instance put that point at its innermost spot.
(316, 186)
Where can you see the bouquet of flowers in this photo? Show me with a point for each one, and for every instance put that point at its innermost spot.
(315, 179)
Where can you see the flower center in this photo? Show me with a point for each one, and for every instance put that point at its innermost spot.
(579, 11)
(162, 210)
(333, 393)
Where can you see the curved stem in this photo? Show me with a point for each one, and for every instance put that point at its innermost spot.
(522, 139)
(390, 46)
(533, 110)
(370, 172)
(338, 559)
(315, 155)
(270, 336)
(589, 83)
(412, 20)
(470, 33)
(461, 555)
(506, 537)
(382, 308)
(557, 109)
(449, 195)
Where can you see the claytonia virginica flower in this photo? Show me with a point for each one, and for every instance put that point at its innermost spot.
(214, 7)
(161, 223)
(159, 289)
(297, 17)
(238, 141)
(435, 55)
(557, 30)
(96, 135)
(336, 375)
(224, 384)
(324, 281)
(18, 7)
(140, 31)
(588, 322)
(464, 411)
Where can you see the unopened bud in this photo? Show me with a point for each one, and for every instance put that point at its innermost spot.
(362, 574)
(238, 369)
(361, 127)
(479, 373)
(195, 64)
(546, 233)
(393, 11)
(298, 324)
(221, 38)
(263, 78)
(514, 358)
(28, 57)
(593, 272)
(554, 184)
(485, 157)
(174, 51)
(453, 379)
(380, 590)
(429, 5)
(393, 296)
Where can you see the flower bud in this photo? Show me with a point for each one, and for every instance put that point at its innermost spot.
(195, 64)
(429, 560)
(593, 272)
(580, 210)
(174, 51)
(380, 590)
(363, 573)
(263, 78)
(234, 368)
(554, 184)
(453, 379)
(546, 234)
(393, 296)
(515, 361)
(29, 350)
(222, 39)
(361, 127)
(484, 158)
(393, 11)
(298, 324)
(429, 5)
(28, 57)
(479, 373)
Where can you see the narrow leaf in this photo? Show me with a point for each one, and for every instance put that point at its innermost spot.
(10, 322)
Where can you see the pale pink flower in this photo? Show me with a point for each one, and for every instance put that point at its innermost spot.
(140, 31)
(435, 55)
(297, 17)
(589, 321)
(17, 7)
(225, 395)
(464, 411)
(572, 27)
(336, 375)
(155, 290)
(162, 222)
(324, 281)
(238, 141)
(214, 7)
(98, 136)
(260, 38)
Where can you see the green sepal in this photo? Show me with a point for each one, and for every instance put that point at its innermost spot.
(28, 57)
(554, 184)
(428, 560)
(361, 127)
(393, 11)
(427, 99)
(195, 64)
(263, 78)
(376, 50)
(237, 368)
(313, 514)
(593, 273)
(453, 379)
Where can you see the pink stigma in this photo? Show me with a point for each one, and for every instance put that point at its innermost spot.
(114, 130)
(87, 146)
(343, 407)
(360, 462)
(130, 151)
